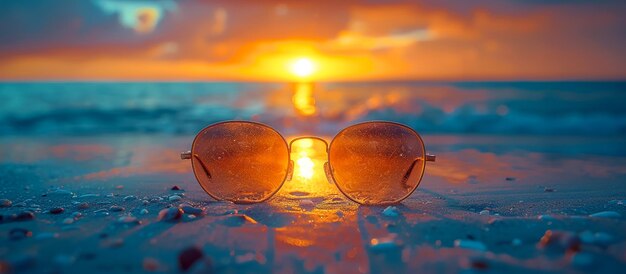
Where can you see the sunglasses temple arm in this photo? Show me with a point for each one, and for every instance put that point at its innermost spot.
(407, 174)
(204, 167)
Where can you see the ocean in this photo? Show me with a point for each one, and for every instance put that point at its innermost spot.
(459, 108)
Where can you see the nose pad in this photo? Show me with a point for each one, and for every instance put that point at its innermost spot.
(290, 171)
(329, 175)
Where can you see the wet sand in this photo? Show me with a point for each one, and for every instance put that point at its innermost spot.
(488, 204)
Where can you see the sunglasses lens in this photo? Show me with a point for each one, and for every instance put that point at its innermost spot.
(377, 163)
(242, 162)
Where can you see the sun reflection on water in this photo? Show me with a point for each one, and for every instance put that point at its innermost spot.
(303, 99)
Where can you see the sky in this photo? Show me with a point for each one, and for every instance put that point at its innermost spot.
(268, 40)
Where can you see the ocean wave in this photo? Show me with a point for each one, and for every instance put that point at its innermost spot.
(184, 108)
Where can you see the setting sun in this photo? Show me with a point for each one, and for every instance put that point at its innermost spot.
(303, 67)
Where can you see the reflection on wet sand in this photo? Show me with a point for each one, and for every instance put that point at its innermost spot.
(309, 225)
(309, 179)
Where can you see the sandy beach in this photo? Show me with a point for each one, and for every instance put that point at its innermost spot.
(127, 204)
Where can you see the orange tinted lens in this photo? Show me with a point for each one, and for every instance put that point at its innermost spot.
(242, 162)
(377, 162)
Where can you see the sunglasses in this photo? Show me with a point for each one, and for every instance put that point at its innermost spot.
(371, 163)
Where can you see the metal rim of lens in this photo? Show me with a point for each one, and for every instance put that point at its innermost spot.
(423, 165)
(195, 174)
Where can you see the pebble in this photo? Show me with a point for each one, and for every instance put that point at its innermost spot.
(246, 258)
(299, 193)
(68, 221)
(130, 198)
(5, 203)
(143, 211)
(307, 204)
(188, 257)
(145, 202)
(582, 259)
(510, 179)
(339, 213)
(57, 210)
(83, 205)
(175, 187)
(116, 208)
(547, 189)
(174, 198)
(115, 243)
(128, 220)
(34, 209)
(391, 211)
(385, 243)
(599, 238)
(110, 195)
(604, 239)
(470, 244)
(545, 218)
(188, 209)
(564, 240)
(59, 192)
(606, 214)
(479, 263)
(19, 233)
(170, 214)
(20, 204)
(484, 212)
(46, 235)
(237, 220)
(151, 264)
(23, 216)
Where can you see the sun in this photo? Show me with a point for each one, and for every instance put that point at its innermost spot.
(303, 67)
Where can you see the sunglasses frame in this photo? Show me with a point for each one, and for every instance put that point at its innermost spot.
(288, 171)
(328, 169)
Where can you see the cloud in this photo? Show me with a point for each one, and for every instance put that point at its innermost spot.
(245, 40)
(141, 16)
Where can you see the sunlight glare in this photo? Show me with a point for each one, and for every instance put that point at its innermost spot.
(303, 67)
(305, 166)
(309, 156)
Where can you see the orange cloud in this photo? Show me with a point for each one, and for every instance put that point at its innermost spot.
(350, 41)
